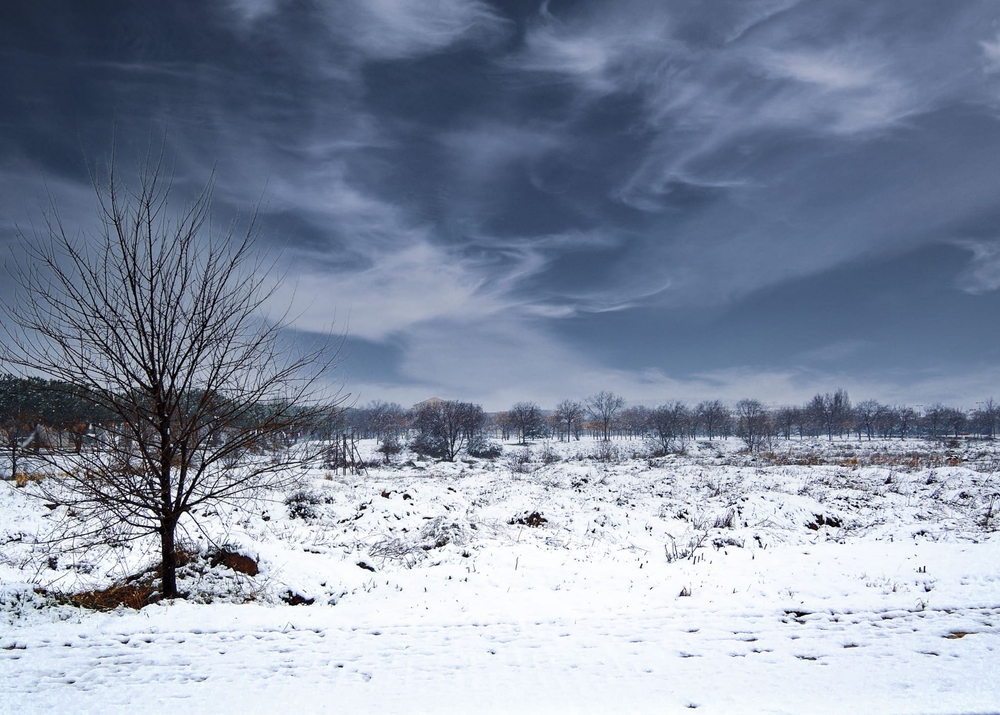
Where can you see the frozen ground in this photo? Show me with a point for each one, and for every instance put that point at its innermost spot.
(866, 579)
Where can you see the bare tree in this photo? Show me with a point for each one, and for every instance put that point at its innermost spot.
(568, 415)
(754, 424)
(905, 418)
(867, 414)
(712, 416)
(603, 408)
(504, 421)
(956, 421)
(668, 425)
(785, 420)
(885, 421)
(986, 418)
(158, 317)
(830, 413)
(528, 420)
(446, 428)
(380, 420)
(634, 421)
(814, 416)
(840, 411)
(19, 418)
(935, 420)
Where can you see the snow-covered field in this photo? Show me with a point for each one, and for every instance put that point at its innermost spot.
(840, 577)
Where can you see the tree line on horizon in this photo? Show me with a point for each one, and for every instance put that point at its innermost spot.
(607, 416)
(37, 414)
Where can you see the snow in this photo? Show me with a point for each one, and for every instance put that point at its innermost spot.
(427, 598)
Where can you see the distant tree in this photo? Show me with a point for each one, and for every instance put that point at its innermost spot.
(33, 410)
(446, 428)
(351, 419)
(867, 414)
(383, 419)
(74, 412)
(634, 421)
(19, 417)
(669, 426)
(712, 417)
(395, 421)
(934, 420)
(568, 418)
(604, 408)
(504, 421)
(528, 420)
(955, 421)
(815, 416)
(885, 421)
(754, 425)
(986, 417)
(367, 420)
(941, 421)
(830, 413)
(786, 419)
(905, 419)
(841, 412)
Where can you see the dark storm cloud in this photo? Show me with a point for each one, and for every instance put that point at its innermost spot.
(772, 132)
(526, 199)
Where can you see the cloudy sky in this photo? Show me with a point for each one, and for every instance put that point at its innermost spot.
(499, 201)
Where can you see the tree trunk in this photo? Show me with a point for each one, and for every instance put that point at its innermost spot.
(15, 452)
(168, 563)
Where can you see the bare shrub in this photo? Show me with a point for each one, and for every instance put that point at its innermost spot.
(549, 455)
(519, 462)
(389, 448)
(441, 531)
(989, 523)
(484, 449)
(534, 519)
(303, 504)
(725, 520)
(393, 549)
(607, 453)
(687, 550)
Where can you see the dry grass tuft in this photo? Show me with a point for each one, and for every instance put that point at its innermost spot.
(130, 595)
(21, 479)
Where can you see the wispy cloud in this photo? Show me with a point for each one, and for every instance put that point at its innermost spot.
(394, 29)
(722, 93)
(991, 52)
(844, 90)
(983, 273)
(836, 85)
(399, 291)
(603, 50)
(252, 10)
